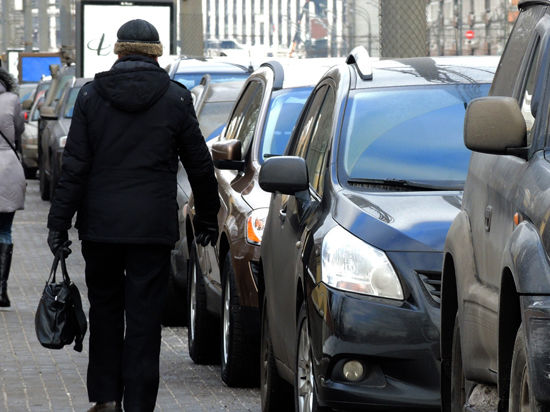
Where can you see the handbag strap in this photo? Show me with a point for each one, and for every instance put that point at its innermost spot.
(59, 257)
(10, 145)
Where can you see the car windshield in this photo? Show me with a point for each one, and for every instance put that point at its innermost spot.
(212, 115)
(69, 107)
(190, 80)
(408, 135)
(284, 109)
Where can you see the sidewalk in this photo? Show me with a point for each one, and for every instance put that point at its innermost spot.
(33, 378)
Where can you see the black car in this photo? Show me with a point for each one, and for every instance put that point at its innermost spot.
(352, 248)
(495, 314)
(54, 136)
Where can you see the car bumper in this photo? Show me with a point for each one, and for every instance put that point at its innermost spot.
(536, 318)
(396, 343)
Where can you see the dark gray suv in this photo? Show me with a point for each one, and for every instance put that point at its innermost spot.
(495, 320)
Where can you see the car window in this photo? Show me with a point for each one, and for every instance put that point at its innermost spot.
(238, 113)
(300, 145)
(284, 109)
(69, 106)
(62, 97)
(528, 94)
(245, 132)
(212, 115)
(317, 149)
(35, 112)
(190, 80)
(518, 43)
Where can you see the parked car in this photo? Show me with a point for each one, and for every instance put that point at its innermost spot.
(495, 315)
(27, 92)
(49, 112)
(213, 103)
(54, 135)
(189, 71)
(223, 281)
(351, 252)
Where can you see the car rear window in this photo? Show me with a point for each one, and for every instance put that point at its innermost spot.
(414, 134)
(213, 115)
(69, 107)
(190, 80)
(284, 109)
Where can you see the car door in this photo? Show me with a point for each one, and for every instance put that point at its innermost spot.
(492, 222)
(293, 221)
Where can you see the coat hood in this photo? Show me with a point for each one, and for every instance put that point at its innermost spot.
(133, 84)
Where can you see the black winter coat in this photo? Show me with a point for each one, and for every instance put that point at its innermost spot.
(121, 158)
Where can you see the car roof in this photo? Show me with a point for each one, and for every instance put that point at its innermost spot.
(525, 3)
(81, 81)
(212, 66)
(420, 71)
(290, 73)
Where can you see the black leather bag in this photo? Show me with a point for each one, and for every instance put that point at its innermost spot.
(59, 318)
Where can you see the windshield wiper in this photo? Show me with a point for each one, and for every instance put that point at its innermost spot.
(404, 183)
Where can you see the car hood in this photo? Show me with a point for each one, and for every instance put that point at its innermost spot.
(402, 221)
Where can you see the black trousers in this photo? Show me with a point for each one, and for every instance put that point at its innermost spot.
(126, 287)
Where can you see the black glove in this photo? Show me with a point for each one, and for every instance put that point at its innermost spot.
(206, 231)
(59, 239)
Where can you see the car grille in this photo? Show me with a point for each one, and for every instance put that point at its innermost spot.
(432, 285)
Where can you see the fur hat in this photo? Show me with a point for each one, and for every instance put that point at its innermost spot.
(138, 37)
(8, 81)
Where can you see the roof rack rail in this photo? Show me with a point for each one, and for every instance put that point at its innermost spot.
(278, 71)
(359, 56)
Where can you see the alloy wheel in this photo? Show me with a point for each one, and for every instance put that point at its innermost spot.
(305, 378)
(226, 320)
(193, 302)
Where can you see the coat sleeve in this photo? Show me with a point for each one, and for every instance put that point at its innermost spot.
(77, 158)
(197, 161)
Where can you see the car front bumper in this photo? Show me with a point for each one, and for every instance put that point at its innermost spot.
(395, 341)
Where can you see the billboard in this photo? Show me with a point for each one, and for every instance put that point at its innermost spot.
(100, 21)
(32, 66)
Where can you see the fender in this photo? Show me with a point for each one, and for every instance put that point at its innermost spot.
(526, 258)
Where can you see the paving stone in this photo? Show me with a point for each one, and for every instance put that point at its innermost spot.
(33, 378)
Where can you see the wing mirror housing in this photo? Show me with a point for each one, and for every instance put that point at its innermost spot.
(284, 174)
(495, 125)
(48, 113)
(227, 155)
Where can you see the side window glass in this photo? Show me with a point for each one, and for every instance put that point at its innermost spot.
(238, 113)
(246, 130)
(318, 147)
(306, 126)
(528, 94)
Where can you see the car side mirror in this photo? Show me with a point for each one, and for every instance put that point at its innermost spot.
(27, 104)
(48, 113)
(227, 155)
(495, 125)
(284, 174)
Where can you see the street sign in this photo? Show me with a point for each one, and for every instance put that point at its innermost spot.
(470, 34)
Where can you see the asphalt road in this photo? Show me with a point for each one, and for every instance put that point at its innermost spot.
(33, 378)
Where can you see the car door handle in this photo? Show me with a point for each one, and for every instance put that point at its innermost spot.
(282, 214)
(488, 216)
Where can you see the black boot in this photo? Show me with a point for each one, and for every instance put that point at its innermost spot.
(6, 250)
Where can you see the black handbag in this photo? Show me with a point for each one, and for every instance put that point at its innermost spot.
(59, 318)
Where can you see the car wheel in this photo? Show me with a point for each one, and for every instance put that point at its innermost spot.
(175, 306)
(458, 389)
(202, 339)
(44, 183)
(239, 349)
(275, 392)
(305, 392)
(520, 398)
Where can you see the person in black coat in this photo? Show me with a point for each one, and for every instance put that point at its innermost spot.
(129, 127)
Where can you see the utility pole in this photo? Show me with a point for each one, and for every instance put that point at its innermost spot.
(192, 43)
(67, 40)
(5, 25)
(27, 10)
(403, 28)
(43, 26)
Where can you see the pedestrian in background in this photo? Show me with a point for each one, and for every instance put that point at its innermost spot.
(12, 176)
(119, 175)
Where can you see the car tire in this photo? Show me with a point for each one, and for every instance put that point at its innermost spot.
(520, 397)
(239, 349)
(175, 306)
(458, 382)
(202, 338)
(305, 391)
(44, 182)
(275, 393)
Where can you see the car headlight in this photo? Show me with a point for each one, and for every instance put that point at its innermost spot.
(255, 224)
(62, 141)
(350, 264)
